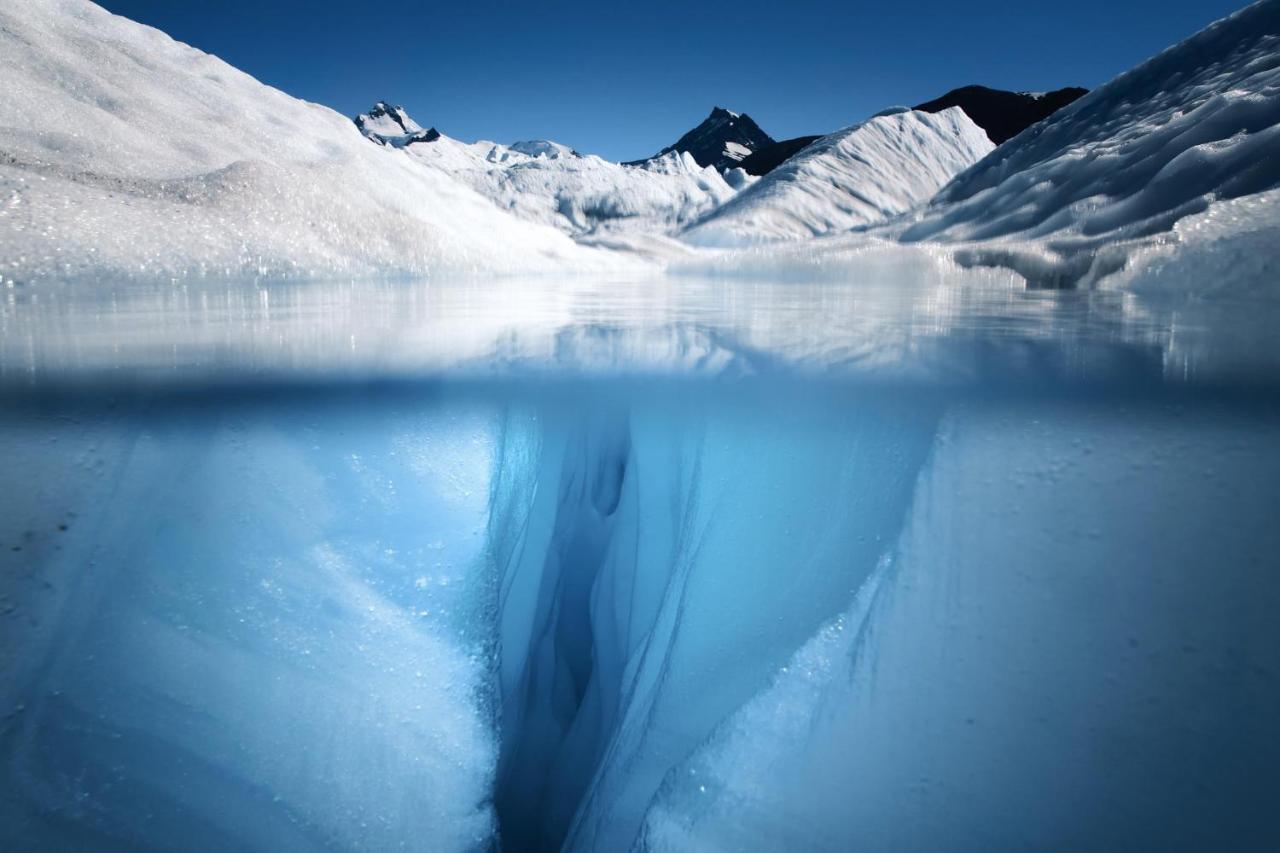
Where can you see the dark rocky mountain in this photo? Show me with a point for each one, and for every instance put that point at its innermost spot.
(388, 125)
(766, 159)
(1003, 115)
(724, 139)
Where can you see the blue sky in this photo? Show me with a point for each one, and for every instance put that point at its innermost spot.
(624, 79)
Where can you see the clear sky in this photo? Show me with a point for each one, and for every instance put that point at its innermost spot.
(625, 79)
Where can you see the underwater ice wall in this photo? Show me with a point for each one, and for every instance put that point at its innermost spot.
(1036, 668)
(231, 627)
(668, 617)
(657, 564)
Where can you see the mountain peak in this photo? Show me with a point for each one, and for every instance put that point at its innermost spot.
(723, 139)
(391, 125)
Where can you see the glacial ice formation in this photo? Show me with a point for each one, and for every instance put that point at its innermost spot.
(637, 611)
(1194, 127)
(126, 154)
(638, 615)
(863, 174)
(223, 628)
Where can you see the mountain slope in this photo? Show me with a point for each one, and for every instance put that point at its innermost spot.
(126, 153)
(1196, 125)
(723, 140)
(856, 176)
(551, 184)
(1003, 115)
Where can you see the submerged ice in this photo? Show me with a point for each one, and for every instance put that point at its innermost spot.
(652, 616)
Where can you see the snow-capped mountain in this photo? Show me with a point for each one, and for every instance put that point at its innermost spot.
(551, 184)
(859, 175)
(723, 140)
(390, 125)
(1003, 115)
(1183, 134)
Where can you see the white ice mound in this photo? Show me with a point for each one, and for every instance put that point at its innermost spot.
(856, 176)
(543, 148)
(1195, 125)
(126, 153)
(551, 184)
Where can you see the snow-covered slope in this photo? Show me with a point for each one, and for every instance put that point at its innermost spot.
(1065, 201)
(126, 153)
(551, 184)
(722, 140)
(856, 176)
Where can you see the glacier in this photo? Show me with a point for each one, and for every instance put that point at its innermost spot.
(658, 613)
(369, 488)
(127, 154)
(872, 171)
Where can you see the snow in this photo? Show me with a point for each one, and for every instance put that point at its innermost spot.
(543, 148)
(1065, 201)
(126, 154)
(550, 184)
(390, 126)
(856, 176)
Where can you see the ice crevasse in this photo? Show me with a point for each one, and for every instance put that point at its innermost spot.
(649, 583)
(876, 623)
(611, 618)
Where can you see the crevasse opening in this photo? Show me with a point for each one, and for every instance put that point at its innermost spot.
(656, 566)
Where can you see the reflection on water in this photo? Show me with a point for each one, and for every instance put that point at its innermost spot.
(964, 326)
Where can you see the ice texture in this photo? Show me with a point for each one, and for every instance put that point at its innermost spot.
(1194, 127)
(617, 537)
(235, 628)
(863, 174)
(125, 153)
(1031, 666)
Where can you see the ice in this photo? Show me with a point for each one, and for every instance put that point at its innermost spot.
(127, 154)
(583, 195)
(860, 175)
(1033, 667)
(557, 532)
(245, 628)
(615, 541)
(1191, 128)
(668, 615)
